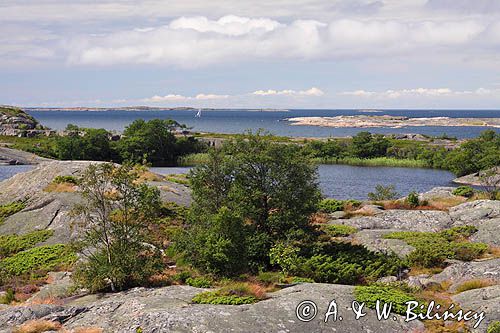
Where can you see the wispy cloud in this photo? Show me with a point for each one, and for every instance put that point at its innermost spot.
(424, 92)
(309, 92)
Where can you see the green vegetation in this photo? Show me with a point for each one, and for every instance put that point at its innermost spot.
(339, 230)
(39, 259)
(464, 191)
(10, 209)
(193, 159)
(412, 199)
(9, 297)
(199, 282)
(374, 162)
(216, 297)
(383, 193)
(333, 205)
(433, 248)
(66, 179)
(385, 294)
(494, 327)
(117, 223)
(12, 244)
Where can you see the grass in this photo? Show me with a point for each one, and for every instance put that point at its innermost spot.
(375, 162)
(233, 293)
(44, 146)
(474, 284)
(37, 326)
(178, 178)
(385, 294)
(193, 159)
(339, 230)
(10, 209)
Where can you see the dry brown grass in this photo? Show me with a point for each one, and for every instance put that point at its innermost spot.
(61, 187)
(46, 300)
(37, 326)
(148, 176)
(446, 203)
(319, 218)
(420, 270)
(475, 284)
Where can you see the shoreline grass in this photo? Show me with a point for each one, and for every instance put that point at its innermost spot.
(374, 162)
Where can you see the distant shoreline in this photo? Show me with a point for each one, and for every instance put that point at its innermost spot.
(145, 108)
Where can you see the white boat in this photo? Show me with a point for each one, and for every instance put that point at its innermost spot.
(198, 115)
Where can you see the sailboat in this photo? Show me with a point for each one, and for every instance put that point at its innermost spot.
(198, 115)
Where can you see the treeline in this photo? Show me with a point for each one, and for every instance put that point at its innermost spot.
(153, 142)
(474, 155)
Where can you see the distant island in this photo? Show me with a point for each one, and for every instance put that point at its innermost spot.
(365, 121)
(144, 108)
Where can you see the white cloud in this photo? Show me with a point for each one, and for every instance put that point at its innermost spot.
(422, 92)
(211, 96)
(178, 98)
(309, 92)
(199, 41)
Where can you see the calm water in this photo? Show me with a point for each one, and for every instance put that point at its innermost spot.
(337, 181)
(7, 171)
(238, 121)
(351, 182)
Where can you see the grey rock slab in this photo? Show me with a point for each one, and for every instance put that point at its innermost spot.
(168, 309)
(412, 220)
(460, 272)
(374, 240)
(474, 211)
(478, 300)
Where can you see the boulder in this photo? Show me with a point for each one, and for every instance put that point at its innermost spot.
(437, 193)
(492, 176)
(413, 220)
(478, 300)
(60, 285)
(474, 211)
(460, 272)
(374, 240)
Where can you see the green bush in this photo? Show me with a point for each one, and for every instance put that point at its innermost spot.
(432, 249)
(464, 191)
(199, 282)
(412, 199)
(214, 297)
(298, 279)
(181, 277)
(43, 258)
(9, 297)
(10, 209)
(12, 244)
(270, 277)
(66, 179)
(494, 327)
(344, 263)
(330, 205)
(383, 193)
(385, 294)
(339, 230)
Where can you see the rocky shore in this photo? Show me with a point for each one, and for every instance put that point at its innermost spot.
(169, 309)
(370, 121)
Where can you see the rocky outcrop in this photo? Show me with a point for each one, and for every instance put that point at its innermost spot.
(412, 220)
(374, 240)
(16, 122)
(478, 300)
(17, 157)
(484, 215)
(460, 272)
(169, 309)
(52, 210)
(491, 176)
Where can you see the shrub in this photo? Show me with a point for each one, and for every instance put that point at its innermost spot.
(43, 258)
(474, 284)
(181, 277)
(270, 277)
(412, 199)
(346, 264)
(383, 193)
(298, 279)
(339, 230)
(214, 297)
(464, 191)
(432, 249)
(9, 297)
(385, 294)
(330, 205)
(66, 179)
(10, 209)
(199, 282)
(12, 244)
(285, 256)
(494, 327)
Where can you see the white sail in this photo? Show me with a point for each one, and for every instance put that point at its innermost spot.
(198, 115)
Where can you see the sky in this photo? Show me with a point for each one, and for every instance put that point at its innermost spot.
(418, 54)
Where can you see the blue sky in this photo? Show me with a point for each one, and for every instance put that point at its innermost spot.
(278, 54)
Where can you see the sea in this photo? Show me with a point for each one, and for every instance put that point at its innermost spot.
(274, 122)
